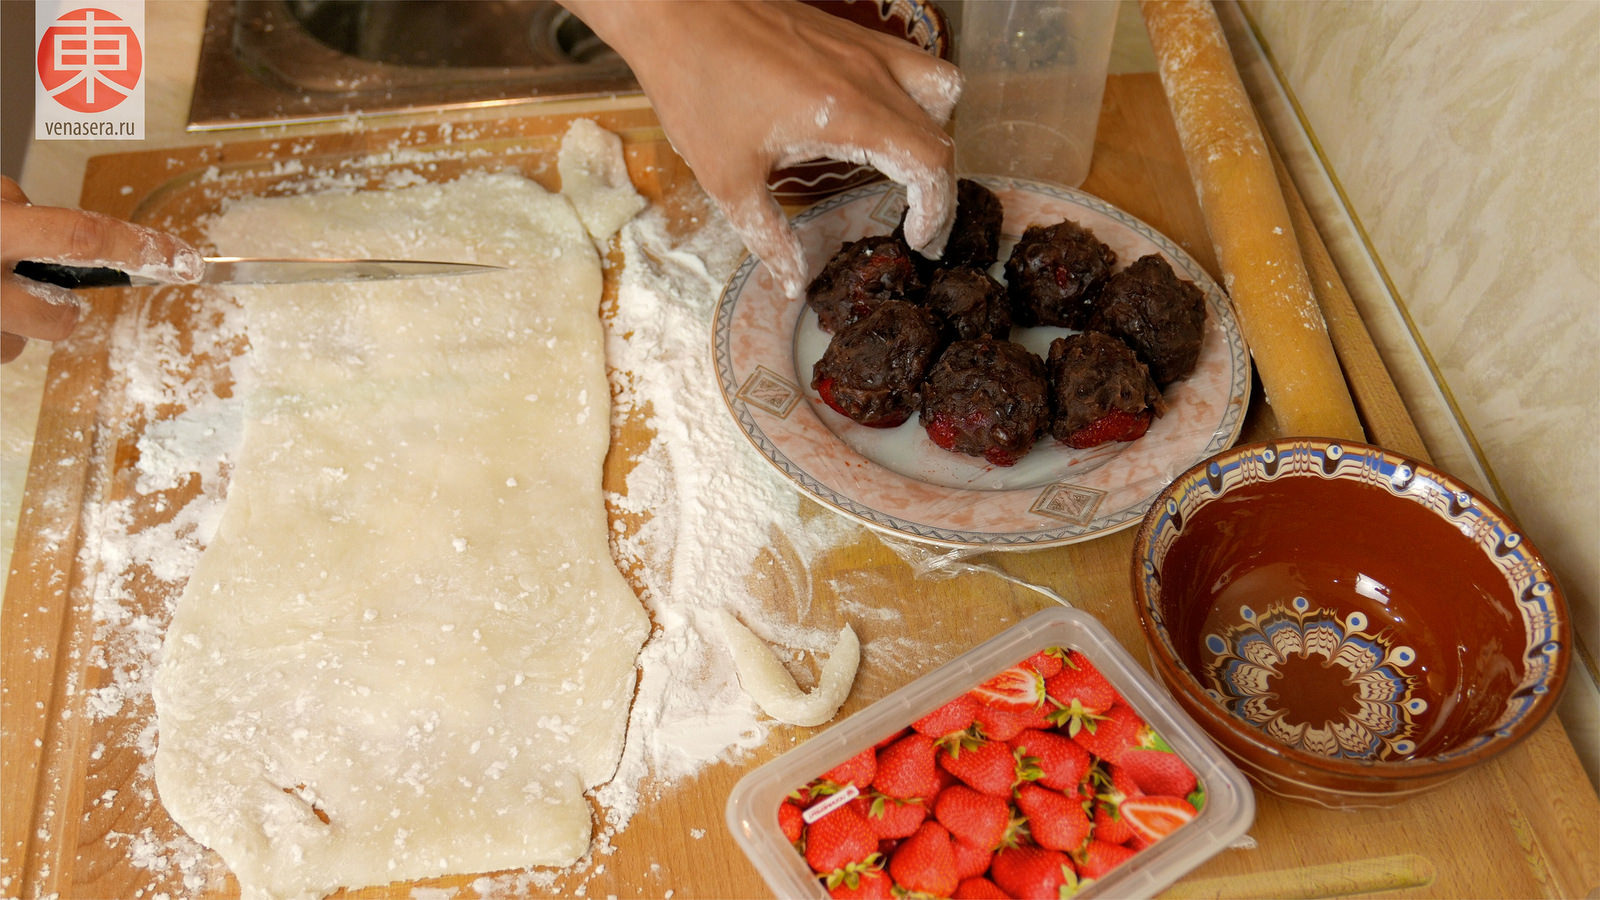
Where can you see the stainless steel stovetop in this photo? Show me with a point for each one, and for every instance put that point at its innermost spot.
(273, 62)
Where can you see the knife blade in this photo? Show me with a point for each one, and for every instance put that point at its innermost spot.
(254, 270)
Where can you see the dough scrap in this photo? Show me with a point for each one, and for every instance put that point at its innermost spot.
(764, 678)
(594, 176)
(407, 651)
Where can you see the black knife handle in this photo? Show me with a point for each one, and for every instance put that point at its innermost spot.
(72, 276)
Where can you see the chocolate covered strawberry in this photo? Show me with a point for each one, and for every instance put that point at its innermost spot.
(1099, 391)
(1114, 426)
(986, 398)
(861, 276)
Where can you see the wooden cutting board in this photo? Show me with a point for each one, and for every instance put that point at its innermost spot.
(76, 785)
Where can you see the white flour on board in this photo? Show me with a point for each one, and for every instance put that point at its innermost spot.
(712, 504)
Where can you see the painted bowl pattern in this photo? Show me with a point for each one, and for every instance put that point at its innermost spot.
(1352, 625)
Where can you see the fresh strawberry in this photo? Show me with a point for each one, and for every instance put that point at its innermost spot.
(970, 860)
(925, 862)
(957, 715)
(801, 797)
(1099, 857)
(1002, 723)
(979, 888)
(985, 766)
(906, 768)
(1159, 772)
(890, 817)
(1019, 686)
(1029, 871)
(1056, 820)
(1120, 730)
(1109, 826)
(1115, 782)
(974, 818)
(1046, 662)
(889, 739)
(856, 883)
(1115, 425)
(858, 770)
(1154, 817)
(1052, 759)
(838, 839)
(1081, 692)
(790, 821)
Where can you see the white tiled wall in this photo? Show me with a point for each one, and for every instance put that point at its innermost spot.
(1465, 138)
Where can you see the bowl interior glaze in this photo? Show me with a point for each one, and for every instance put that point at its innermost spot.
(1345, 603)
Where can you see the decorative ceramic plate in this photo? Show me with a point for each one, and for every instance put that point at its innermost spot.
(896, 479)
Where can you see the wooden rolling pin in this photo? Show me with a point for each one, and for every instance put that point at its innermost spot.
(1249, 222)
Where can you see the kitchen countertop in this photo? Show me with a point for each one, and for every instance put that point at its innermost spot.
(55, 173)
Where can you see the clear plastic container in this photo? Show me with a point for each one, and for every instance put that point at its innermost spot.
(1226, 809)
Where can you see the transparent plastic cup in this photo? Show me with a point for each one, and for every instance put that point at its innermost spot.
(1036, 74)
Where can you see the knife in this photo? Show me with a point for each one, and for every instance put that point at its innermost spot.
(246, 270)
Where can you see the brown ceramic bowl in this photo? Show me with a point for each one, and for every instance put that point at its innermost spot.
(919, 21)
(1352, 626)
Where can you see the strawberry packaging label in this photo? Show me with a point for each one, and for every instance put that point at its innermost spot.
(1044, 762)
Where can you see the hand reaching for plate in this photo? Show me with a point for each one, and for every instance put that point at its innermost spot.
(33, 309)
(743, 88)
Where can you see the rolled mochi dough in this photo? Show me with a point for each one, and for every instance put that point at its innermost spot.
(406, 652)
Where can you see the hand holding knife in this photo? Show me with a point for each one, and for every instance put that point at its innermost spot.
(37, 300)
(248, 270)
